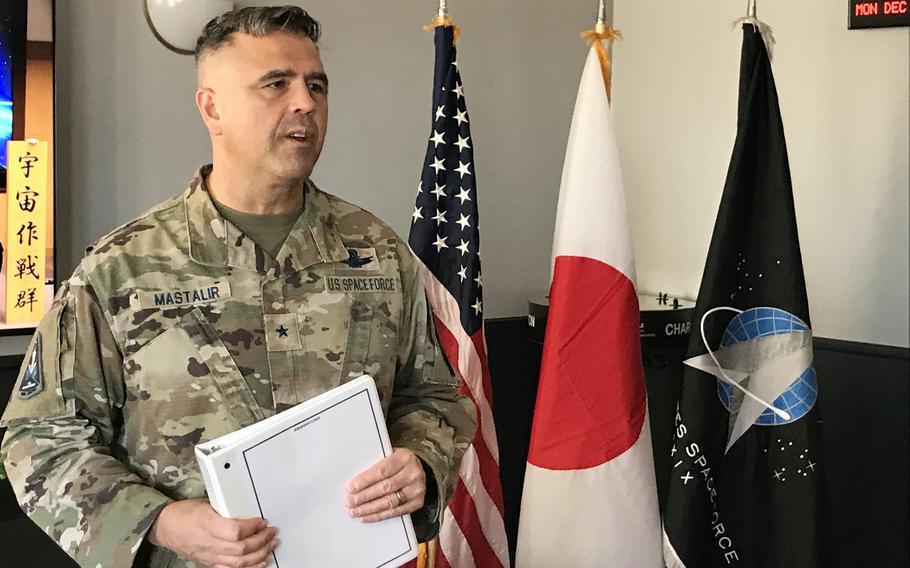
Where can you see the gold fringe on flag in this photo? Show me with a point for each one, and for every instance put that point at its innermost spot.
(597, 38)
(446, 22)
(422, 555)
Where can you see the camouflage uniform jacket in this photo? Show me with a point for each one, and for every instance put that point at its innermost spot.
(176, 329)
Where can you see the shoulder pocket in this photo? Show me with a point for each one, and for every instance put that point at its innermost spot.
(436, 368)
(43, 389)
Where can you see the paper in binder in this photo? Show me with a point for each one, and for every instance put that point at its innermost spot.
(291, 468)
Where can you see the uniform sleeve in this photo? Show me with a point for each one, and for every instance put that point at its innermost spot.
(427, 414)
(61, 420)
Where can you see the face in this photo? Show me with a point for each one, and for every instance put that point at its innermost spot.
(265, 103)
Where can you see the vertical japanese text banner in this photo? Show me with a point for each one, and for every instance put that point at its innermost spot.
(26, 230)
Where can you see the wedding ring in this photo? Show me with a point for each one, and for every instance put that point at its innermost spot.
(401, 499)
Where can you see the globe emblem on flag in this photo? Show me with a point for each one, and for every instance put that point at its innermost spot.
(799, 398)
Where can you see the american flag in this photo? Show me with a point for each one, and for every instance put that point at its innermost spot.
(444, 236)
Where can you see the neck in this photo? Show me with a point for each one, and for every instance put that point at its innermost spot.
(254, 194)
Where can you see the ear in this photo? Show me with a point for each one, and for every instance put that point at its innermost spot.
(207, 103)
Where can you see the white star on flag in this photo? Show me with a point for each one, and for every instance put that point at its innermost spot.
(437, 139)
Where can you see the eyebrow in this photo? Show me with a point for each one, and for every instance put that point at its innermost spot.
(276, 74)
(287, 73)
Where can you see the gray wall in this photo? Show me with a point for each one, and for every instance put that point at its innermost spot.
(129, 134)
(844, 100)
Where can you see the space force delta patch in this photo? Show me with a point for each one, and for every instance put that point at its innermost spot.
(174, 298)
(32, 376)
(362, 259)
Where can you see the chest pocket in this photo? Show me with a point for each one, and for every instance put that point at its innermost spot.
(183, 388)
(337, 333)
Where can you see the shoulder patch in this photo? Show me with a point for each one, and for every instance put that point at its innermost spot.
(33, 378)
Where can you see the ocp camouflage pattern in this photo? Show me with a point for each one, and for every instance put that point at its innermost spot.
(176, 329)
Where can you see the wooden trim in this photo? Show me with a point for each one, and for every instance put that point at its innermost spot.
(43, 50)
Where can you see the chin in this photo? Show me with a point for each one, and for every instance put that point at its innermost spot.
(294, 173)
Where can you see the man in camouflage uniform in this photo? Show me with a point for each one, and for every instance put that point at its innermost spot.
(179, 327)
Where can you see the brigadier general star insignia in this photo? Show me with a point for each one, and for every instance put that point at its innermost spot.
(33, 377)
(355, 260)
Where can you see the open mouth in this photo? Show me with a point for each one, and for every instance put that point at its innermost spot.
(298, 136)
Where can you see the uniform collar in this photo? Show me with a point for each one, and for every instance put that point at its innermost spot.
(215, 241)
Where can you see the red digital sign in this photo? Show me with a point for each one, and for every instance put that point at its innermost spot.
(879, 13)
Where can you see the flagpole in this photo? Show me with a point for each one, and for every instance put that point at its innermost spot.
(596, 38)
(601, 25)
(442, 19)
(751, 8)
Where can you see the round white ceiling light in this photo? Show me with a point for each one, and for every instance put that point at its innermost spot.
(178, 23)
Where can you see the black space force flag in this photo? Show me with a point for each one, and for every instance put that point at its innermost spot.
(747, 482)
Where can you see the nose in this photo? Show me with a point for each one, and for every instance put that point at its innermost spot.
(303, 101)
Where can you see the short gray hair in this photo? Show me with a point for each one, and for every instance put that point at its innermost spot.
(256, 21)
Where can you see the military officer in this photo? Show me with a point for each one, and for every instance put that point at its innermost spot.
(250, 292)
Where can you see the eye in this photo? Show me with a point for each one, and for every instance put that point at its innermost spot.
(279, 84)
(320, 87)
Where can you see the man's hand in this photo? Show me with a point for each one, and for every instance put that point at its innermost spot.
(192, 529)
(393, 487)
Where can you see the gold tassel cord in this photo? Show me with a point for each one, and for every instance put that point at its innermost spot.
(444, 21)
(596, 38)
(422, 560)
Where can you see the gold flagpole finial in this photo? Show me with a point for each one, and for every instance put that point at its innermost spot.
(601, 25)
(442, 19)
(596, 37)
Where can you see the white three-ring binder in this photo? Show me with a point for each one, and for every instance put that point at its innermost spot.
(291, 468)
